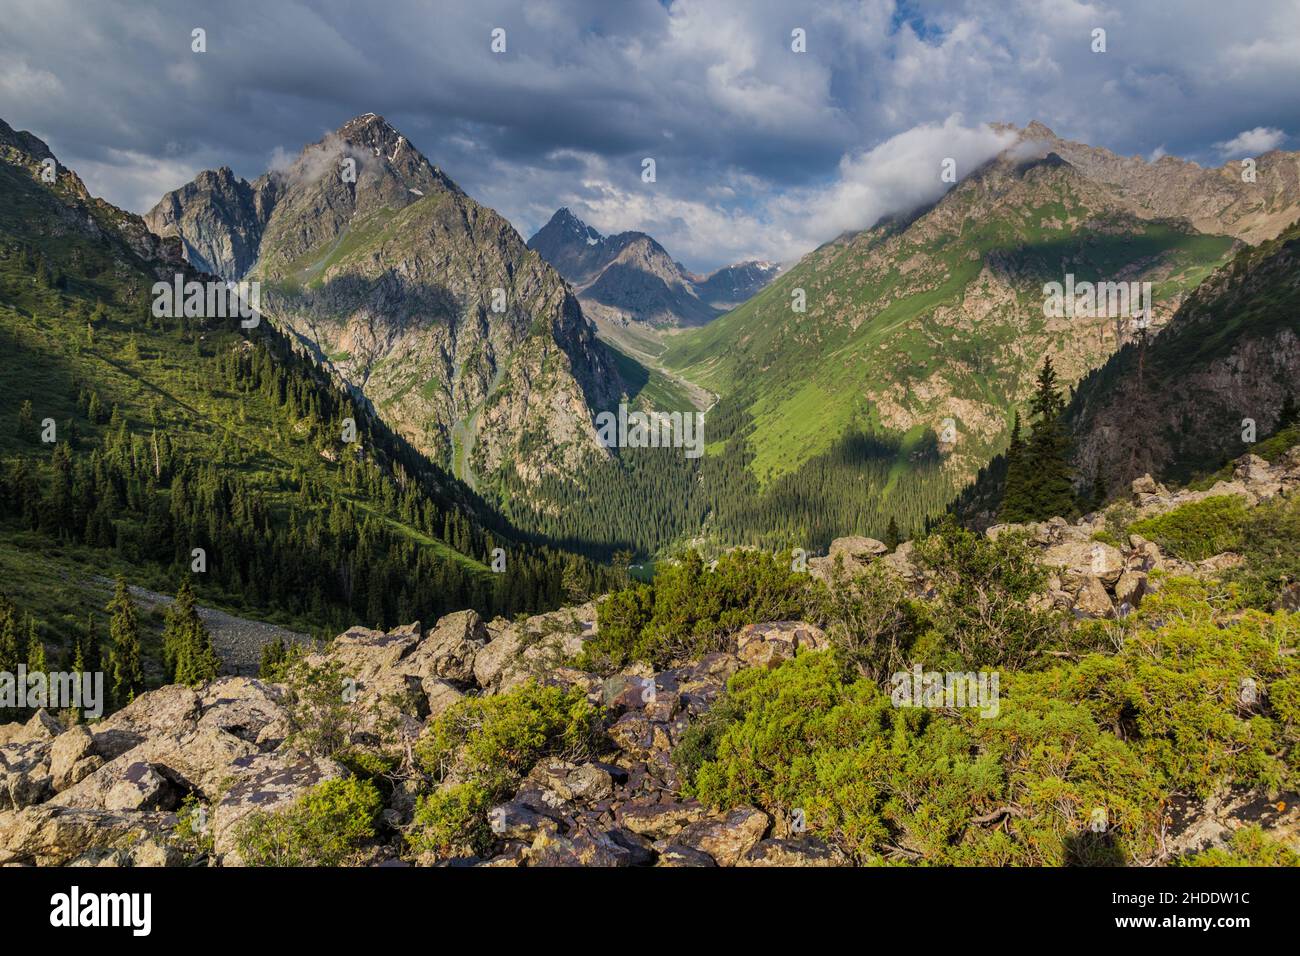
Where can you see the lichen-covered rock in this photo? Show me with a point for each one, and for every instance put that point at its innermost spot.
(683, 856)
(1131, 588)
(660, 819)
(588, 847)
(585, 783)
(1092, 600)
(794, 851)
(194, 760)
(449, 649)
(1082, 558)
(639, 737)
(440, 694)
(268, 783)
(247, 708)
(50, 835)
(73, 756)
(729, 839)
(24, 774)
(518, 820)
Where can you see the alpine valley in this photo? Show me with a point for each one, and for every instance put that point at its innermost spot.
(557, 653)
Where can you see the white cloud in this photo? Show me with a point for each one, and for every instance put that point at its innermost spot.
(894, 177)
(1251, 142)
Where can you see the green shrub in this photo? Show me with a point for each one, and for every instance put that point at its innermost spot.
(1199, 530)
(1117, 734)
(192, 831)
(1249, 846)
(689, 610)
(872, 620)
(1271, 549)
(329, 826)
(1106, 536)
(983, 612)
(278, 659)
(480, 749)
(323, 715)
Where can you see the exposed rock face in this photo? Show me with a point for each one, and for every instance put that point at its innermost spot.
(630, 277)
(78, 212)
(219, 218)
(427, 303)
(1210, 383)
(1218, 200)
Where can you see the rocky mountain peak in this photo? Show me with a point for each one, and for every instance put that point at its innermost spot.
(1037, 130)
(631, 276)
(24, 142)
(374, 132)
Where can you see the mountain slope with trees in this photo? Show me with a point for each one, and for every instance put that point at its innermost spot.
(425, 303)
(169, 435)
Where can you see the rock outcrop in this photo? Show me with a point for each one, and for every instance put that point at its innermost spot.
(111, 792)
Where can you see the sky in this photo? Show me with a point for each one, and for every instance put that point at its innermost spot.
(760, 151)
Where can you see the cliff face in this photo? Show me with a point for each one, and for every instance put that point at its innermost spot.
(1179, 404)
(219, 218)
(422, 300)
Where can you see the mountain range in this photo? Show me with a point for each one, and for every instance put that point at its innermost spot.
(871, 380)
(928, 329)
(629, 277)
(141, 441)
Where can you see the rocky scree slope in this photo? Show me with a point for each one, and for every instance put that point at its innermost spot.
(107, 793)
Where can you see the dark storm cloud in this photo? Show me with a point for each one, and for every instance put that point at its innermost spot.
(760, 151)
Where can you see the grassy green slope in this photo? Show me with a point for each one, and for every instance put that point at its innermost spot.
(890, 319)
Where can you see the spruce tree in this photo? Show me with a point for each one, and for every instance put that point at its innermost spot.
(1048, 491)
(126, 673)
(891, 534)
(35, 649)
(9, 655)
(1015, 506)
(177, 626)
(188, 654)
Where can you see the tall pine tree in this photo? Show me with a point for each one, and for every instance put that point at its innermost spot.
(126, 673)
(1038, 482)
(188, 654)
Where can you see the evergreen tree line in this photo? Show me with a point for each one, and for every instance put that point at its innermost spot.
(649, 499)
(333, 554)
